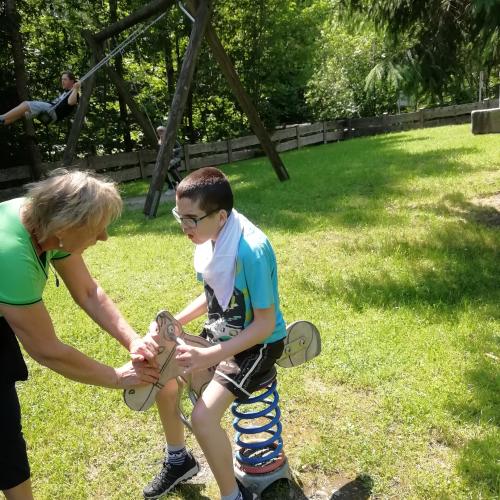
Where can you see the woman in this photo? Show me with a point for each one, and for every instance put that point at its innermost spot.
(51, 227)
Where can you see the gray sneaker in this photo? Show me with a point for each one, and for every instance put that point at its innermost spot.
(170, 476)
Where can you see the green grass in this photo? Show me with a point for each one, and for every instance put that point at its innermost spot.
(381, 245)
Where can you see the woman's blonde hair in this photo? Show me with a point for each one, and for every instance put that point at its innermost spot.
(70, 199)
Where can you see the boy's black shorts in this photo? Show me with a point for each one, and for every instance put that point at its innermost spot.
(248, 370)
(14, 466)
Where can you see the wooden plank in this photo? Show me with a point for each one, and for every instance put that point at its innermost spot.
(206, 161)
(207, 147)
(244, 154)
(432, 114)
(367, 122)
(402, 118)
(283, 133)
(286, 146)
(338, 135)
(245, 142)
(115, 160)
(148, 155)
(187, 156)
(464, 109)
(128, 174)
(75, 164)
(312, 139)
(21, 172)
(310, 129)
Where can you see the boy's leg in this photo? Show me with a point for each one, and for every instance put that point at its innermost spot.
(15, 113)
(166, 401)
(179, 465)
(213, 440)
(20, 492)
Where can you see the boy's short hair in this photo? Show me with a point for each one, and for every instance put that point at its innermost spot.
(70, 75)
(209, 187)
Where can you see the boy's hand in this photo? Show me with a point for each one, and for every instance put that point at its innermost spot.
(195, 358)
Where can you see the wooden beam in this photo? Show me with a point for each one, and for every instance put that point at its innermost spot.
(145, 12)
(179, 100)
(245, 102)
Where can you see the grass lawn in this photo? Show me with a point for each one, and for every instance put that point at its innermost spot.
(384, 243)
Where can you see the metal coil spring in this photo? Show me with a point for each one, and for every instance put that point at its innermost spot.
(259, 452)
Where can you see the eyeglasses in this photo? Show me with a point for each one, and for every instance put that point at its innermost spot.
(190, 222)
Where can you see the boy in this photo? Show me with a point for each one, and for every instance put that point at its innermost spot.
(56, 110)
(238, 267)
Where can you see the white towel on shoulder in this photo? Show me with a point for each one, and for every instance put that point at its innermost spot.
(218, 264)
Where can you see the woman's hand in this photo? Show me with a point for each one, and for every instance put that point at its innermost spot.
(144, 349)
(196, 358)
(136, 373)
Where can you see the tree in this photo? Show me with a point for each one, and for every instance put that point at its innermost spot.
(448, 37)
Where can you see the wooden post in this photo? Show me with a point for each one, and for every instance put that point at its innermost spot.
(297, 136)
(229, 151)
(177, 109)
(245, 102)
(186, 157)
(324, 133)
(141, 165)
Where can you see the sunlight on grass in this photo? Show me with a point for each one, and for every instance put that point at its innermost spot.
(380, 244)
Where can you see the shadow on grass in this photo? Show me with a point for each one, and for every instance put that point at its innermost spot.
(348, 184)
(359, 488)
(455, 263)
(479, 462)
(191, 491)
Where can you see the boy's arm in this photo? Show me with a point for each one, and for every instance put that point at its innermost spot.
(194, 310)
(73, 96)
(195, 358)
(262, 326)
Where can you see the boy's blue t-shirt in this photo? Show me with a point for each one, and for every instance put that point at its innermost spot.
(255, 287)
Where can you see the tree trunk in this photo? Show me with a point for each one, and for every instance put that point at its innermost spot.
(22, 85)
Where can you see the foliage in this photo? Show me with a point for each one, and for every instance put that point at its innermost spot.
(449, 39)
(344, 83)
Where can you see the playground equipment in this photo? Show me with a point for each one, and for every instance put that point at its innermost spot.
(199, 13)
(260, 459)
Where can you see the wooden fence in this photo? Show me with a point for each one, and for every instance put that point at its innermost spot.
(140, 164)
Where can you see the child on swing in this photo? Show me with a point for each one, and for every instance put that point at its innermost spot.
(56, 110)
(237, 265)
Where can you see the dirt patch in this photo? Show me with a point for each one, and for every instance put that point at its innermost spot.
(487, 209)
